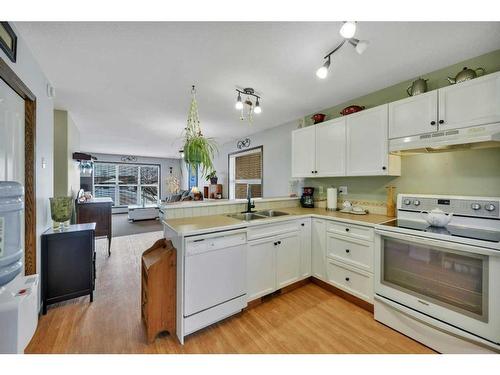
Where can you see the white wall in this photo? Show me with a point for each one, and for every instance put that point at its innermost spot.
(164, 163)
(30, 73)
(277, 159)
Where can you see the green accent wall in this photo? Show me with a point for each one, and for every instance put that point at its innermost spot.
(470, 172)
(437, 79)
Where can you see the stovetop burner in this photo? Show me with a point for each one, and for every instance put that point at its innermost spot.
(450, 230)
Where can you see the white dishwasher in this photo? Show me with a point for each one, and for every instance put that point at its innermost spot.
(214, 278)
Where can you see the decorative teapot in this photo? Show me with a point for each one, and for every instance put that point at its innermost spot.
(436, 217)
(466, 74)
(419, 86)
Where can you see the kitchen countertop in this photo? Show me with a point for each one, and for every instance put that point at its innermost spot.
(189, 226)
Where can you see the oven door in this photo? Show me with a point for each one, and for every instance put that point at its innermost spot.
(454, 283)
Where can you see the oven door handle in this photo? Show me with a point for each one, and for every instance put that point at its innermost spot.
(452, 246)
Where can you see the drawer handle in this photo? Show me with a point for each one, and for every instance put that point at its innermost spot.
(347, 229)
(346, 279)
(347, 250)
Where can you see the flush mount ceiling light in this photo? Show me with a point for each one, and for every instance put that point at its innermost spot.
(347, 31)
(247, 107)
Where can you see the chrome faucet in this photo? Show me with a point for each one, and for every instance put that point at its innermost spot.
(250, 204)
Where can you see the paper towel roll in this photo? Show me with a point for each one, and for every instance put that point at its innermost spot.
(331, 199)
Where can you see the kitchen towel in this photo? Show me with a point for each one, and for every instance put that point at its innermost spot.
(331, 199)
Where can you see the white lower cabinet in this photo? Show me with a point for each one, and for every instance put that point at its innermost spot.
(336, 252)
(318, 249)
(261, 268)
(350, 279)
(305, 248)
(287, 260)
(277, 255)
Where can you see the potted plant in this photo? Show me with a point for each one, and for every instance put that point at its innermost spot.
(212, 176)
(198, 149)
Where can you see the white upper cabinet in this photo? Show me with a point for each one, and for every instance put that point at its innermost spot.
(414, 115)
(470, 103)
(330, 148)
(303, 155)
(367, 144)
(465, 104)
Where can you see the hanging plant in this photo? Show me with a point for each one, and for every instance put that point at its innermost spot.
(199, 150)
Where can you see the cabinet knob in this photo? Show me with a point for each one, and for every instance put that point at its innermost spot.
(441, 121)
(315, 171)
(433, 122)
(275, 244)
(302, 224)
(347, 229)
(384, 168)
(279, 242)
(346, 279)
(347, 250)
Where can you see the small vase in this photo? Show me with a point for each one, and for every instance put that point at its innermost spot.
(61, 209)
(214, 180)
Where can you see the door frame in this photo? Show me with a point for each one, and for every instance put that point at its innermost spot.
(16, 84)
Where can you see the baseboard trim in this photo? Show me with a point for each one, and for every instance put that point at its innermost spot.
(349, 297)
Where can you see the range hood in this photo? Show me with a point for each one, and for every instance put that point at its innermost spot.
(475, 137)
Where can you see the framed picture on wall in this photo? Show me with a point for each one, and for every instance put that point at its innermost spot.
(8, 41)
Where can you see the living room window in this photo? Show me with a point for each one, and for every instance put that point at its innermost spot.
(127, 184)
(245, 168)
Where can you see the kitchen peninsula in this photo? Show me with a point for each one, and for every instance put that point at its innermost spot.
(226, 264)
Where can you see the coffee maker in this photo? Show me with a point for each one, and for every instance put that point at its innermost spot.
(306, 200)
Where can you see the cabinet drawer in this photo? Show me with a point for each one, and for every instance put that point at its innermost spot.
(357, 283)
(262, 231)
(351, 230)
(349, 250)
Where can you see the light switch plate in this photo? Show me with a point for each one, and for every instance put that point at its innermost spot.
(343, 190)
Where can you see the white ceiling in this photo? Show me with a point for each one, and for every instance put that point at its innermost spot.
(127, 85)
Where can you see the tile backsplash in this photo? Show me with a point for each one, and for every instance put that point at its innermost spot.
(213, 208)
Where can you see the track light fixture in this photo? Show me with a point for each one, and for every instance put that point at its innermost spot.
(247, 107)
(347, 31)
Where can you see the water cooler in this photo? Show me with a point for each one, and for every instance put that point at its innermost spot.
(18, 294)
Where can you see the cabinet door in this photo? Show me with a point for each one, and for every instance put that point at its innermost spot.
(330, 148)
(318, 249)
(470, 103)
(288, 259)
(414, 115)
(303, 146)
(261, 268)
(367, 149)
(305, 248)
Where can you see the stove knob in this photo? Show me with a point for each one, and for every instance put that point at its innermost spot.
(489, 207)
(407, 202)
(416, 203)
(475, 206)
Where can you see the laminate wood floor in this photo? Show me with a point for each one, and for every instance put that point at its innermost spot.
(306, 320)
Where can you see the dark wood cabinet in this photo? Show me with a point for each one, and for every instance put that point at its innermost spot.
(68, 263)
(97, 210)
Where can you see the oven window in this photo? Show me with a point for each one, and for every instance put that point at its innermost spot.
(452, 279)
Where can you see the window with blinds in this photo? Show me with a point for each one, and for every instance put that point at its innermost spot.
(245, 172)
(127, 184)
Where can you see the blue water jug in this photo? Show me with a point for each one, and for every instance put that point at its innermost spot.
(11, 242)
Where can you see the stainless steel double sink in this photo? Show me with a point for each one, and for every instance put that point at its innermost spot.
(249, 216)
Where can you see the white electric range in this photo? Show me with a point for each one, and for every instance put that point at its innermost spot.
(441, 285)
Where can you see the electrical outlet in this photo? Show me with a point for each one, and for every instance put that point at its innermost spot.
(343, 190)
